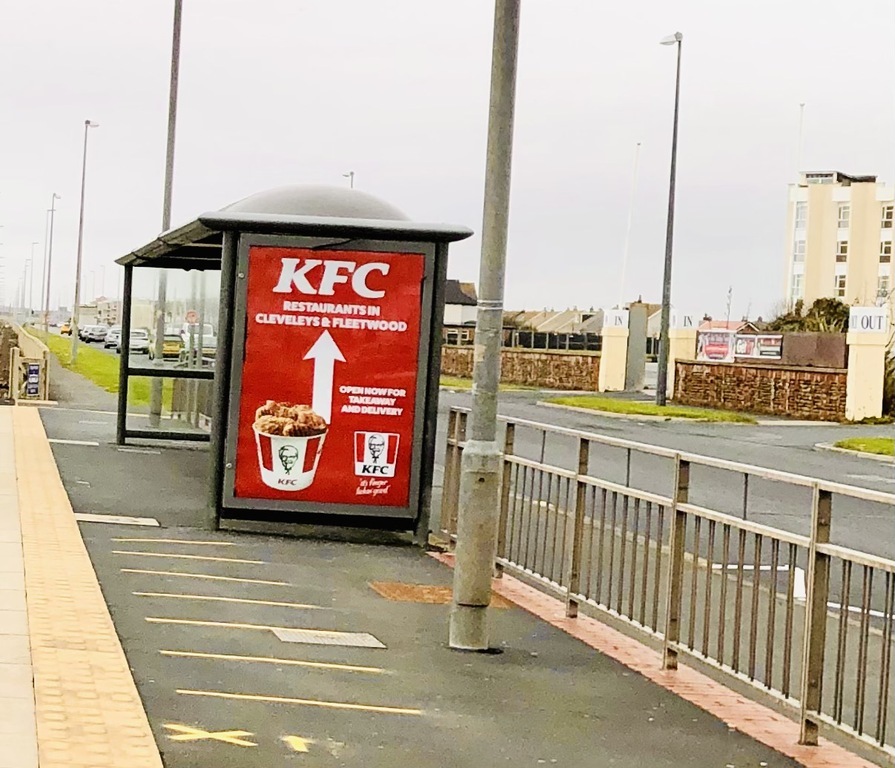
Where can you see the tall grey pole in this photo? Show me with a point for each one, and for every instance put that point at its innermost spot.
(52, 213)
(480, 472)
(155, 394)
(75, 309)
(31, 281)
(662, 382)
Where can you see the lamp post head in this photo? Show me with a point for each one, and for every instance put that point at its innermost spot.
(90, 124)
(671, 39)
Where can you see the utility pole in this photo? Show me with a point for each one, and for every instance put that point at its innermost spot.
(662, 382)
(155, 393)
(52, 213)
(480, 470)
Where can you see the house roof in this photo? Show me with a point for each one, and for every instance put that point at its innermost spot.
(456, 292)
(727, 325)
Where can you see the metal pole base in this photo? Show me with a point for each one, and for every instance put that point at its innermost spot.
(469, 628)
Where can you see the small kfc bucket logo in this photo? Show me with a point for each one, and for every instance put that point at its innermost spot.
(289, 439)
(375, 454)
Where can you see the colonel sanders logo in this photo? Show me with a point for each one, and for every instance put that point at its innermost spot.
(375, 454)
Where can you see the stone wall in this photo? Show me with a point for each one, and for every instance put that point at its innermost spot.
(531, 368)
(797, 392)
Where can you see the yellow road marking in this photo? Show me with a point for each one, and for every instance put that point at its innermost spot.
(297, 743)
(182, 541)
(239, 625)
(231, 600)
(186, 557)
(307, 702)
(270, 660)
(206, 576)
(187, 733)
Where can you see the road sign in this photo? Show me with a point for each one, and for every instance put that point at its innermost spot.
(329, 376)
(192, 316)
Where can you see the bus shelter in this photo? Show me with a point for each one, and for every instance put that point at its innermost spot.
(298, 331)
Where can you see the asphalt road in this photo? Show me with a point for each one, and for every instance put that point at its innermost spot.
(861, 525)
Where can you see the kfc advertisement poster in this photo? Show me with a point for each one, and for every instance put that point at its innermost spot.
(329, 376)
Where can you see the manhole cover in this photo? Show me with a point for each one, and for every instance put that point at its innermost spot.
(327, 637)
(424, 593)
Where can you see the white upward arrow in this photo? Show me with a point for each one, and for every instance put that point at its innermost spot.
(324, 352)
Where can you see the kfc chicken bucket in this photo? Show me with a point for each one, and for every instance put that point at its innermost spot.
(289, 439)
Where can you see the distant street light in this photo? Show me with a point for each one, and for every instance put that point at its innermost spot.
(74, 312)
(662, 382)
(350, 177)
(51, 211)
(31, 281)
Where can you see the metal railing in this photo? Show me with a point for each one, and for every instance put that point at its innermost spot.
(807, 621)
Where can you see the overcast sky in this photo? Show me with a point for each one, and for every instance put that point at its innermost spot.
(279, 92)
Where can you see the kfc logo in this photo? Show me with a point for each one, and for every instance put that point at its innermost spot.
(375, 454)
(306, 277)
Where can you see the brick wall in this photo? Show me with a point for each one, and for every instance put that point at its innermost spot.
(552, 370)
(803, 393)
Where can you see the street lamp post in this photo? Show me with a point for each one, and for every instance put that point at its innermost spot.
(27, 279)
(49, 270)
(662, 381)
(31, 282)
(74, 312)
(482, 457)
(350, 177)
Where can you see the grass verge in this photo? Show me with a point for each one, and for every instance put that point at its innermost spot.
(102, 369)
(882, 446)
(454, 382)
(639, 408)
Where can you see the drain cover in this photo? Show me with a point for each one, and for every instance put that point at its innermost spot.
(327, 637)
(424, 593)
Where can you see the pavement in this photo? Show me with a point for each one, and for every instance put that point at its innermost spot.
(163, 642)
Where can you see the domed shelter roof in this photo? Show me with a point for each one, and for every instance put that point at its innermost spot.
(309, 210)
(318, 200)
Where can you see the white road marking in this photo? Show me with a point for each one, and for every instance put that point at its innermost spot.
(85, 421)
(57, 441)
(874, 478)
(86, 517)
(799, 588)
(140, 450)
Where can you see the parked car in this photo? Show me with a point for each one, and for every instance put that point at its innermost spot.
(96, 333)
(139, 342)
(65, 329)
(172, 345)
(113, 336)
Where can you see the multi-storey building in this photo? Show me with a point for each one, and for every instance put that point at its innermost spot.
(839, 241)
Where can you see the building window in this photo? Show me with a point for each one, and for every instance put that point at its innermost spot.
(885, 252)
(844, 215)
(797, 289)
(842, 251)
(798, 251)
(882, 287)
(888, 211)
(801, 216)
(839, 286)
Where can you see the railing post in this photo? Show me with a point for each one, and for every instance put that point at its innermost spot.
(508, 444)
(818, 578)
(574, 580)
(677, 546)
(448, 499)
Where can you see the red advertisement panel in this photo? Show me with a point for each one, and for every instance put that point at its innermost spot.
(329, 376)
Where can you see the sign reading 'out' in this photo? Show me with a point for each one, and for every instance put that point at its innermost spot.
(868, 320)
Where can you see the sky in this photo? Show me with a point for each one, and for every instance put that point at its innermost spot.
(276, 92)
